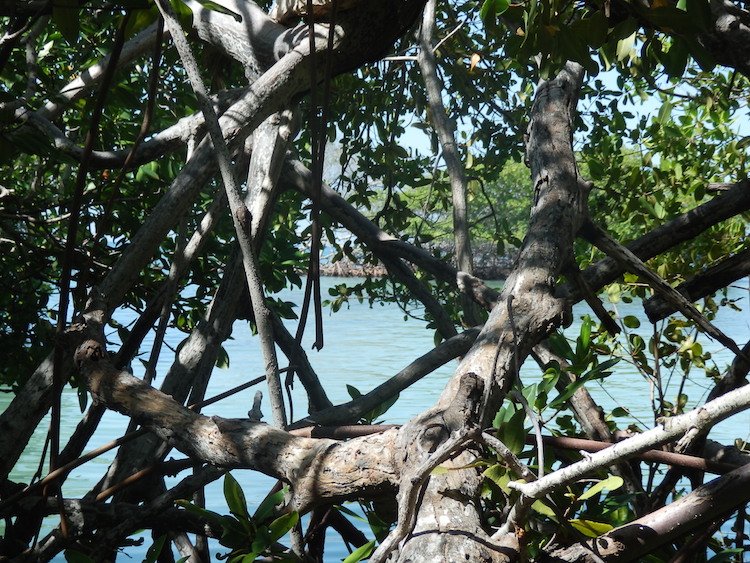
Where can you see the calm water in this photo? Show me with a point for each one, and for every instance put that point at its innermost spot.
(364, 346)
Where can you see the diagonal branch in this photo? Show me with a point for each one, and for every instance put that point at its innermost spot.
(240, 214)
(630, 262)
(684, 227)
(349, 413)
(296, 176)
(701, 285)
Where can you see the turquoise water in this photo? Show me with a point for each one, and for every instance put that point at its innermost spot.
(364, 346)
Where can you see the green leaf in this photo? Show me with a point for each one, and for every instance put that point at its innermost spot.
(140, 20)
(184, 14)
(491, 9)
(362, 552)
(590, 528)
(513, 432)
(600, 370)
(598, 29)
(631, 321)
(611, 483)
(282, 525)
(585, 334)
(233, 533)
(155, 550)
(261, 542)
(624, 47)
(222, 358)
(235, 497)
(65, 14)
(727, 555)
(209, 515)
(266, 508)
(543, 509)
(561, 346)
(213, 6)
(614, 292)
(675, 60)
(350, 512)
(550, 377)
(498, 474)
(570, 389)
(665, 112)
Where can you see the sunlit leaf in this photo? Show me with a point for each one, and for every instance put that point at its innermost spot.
(361, 553)
(665, 112)
(543, 509)
(624, 47)
(279, 527)
(611, 483)
(590, 528)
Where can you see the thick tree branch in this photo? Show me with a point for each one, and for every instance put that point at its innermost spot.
(502, 345)
(164, 142)
(319, 470)
(729, 37)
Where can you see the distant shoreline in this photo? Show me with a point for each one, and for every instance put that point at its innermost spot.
(348, 269)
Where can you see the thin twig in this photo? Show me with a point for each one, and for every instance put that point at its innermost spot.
(240, 213)
(509, 457)
(448, 36)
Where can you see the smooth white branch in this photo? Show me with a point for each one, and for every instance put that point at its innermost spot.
(668, 430)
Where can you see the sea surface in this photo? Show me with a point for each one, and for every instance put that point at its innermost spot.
(364, 346)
